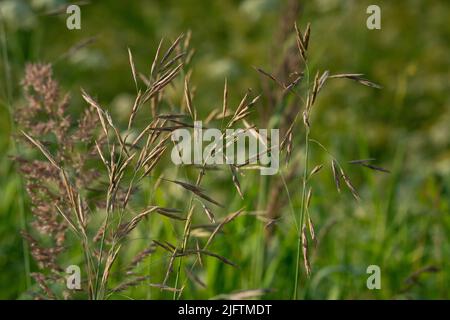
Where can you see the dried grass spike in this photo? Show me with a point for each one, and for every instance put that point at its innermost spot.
(188, 98)
(133, 68)
(307, 35)
(305, 252)
(349, 185)
(337, 180)
(315, 170)
(300, 44)
(311, 230)
(225, 99)
(308, 198)
(171, 48)
(236, 181)
(209, 213)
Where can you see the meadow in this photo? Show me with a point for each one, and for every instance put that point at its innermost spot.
(364, 176)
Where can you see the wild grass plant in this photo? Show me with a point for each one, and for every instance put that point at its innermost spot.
(98, 206)
(290, 237)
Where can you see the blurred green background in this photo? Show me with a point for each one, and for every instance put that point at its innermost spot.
(402, 223)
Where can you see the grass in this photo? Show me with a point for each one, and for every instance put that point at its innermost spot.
(20, 202)
(400, 222)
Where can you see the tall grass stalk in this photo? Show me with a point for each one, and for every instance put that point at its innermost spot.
(303, 196)
(302, 214)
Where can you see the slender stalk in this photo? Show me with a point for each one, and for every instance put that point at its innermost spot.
(101, 248)
(302, 206)
(289, 200)
(260, 247)
(302, 214)
(87, 257)
(185, 238)
(183, 245)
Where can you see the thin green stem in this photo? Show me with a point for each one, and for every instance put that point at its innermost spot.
(302, 207)
(183, 246)
(302, 214)
(289, 199)
(184, 241)
(258, 261)
(101, 249)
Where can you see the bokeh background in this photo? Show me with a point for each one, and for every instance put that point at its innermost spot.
(402, 223)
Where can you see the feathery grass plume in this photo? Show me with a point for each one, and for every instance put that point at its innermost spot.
(42, 282)
(45, 117)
